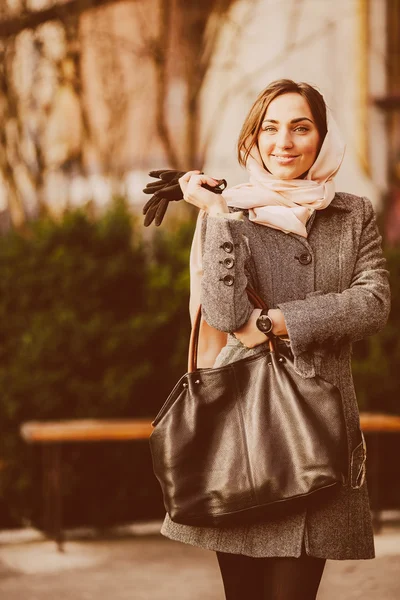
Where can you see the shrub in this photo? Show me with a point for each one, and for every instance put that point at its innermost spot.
(93, 324)
(376, 375)
(376, 359)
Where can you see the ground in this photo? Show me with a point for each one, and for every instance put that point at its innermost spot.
(147, 566)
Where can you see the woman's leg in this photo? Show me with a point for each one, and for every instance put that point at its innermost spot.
(293, 578)
(286, 578)
(242, 576)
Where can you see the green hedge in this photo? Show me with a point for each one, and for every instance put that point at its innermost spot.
(93, 323)
(376, 363)
(376, 359)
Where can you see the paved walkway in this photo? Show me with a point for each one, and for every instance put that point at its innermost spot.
(149, 567)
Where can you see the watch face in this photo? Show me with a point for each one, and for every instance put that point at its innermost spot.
(264, 323)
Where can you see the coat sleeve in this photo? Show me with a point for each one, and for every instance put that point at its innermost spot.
(357, 312)
(224, 301)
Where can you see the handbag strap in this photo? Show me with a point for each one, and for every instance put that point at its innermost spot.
(254, 298)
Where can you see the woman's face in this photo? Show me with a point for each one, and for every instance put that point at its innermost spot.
(288, 140)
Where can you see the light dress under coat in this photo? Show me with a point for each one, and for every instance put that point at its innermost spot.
(333, 290)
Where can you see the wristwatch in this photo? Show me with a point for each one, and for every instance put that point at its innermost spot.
(264, 322)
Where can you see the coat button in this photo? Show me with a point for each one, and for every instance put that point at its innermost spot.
(227, 246)
(305, 258)
(228, 262)
(228, 280)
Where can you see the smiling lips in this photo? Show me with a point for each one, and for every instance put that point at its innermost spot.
(285, 159)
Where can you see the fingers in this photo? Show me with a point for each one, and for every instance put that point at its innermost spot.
(149, 204)
(171, 192)
(160, 213)
(155, 211)
(192, 182)
(188, 174)
(219, 188)
(184, 180)
(151, 188)
(165, 174)
(150, 214)
(164, 188)
(197, 178)
(171, 176)
(194, 186)
(157, 173)
(195, 193)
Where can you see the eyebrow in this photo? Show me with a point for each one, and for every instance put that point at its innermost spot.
(292, 121)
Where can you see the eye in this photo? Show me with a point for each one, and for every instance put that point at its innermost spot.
(269, 128)
(302, 129)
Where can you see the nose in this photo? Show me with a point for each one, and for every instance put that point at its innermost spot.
(284, 139)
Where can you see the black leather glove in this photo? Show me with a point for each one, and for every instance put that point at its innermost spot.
(166, 190)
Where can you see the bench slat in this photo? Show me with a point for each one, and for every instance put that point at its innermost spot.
(379, 422)
(86, 430)
(89, 430)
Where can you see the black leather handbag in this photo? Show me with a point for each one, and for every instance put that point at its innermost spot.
(247, 440)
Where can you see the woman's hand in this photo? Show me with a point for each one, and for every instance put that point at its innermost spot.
(194, 193)
(278, 320)
(251, 336)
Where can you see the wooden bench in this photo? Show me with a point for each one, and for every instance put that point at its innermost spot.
(52, 435)
(374, 425)
(379, 423)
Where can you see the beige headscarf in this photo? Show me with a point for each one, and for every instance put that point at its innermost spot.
(281, 204)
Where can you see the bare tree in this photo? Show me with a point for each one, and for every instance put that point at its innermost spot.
(197, 26)
(50, 145)
(178, 43)
(30, 143)
(9, 138)
(28, 19)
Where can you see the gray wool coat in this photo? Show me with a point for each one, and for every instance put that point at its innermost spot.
(333, 290)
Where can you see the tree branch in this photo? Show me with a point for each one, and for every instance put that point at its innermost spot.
(160, 60)
(32, 19)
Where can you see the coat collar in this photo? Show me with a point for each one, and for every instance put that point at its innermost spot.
(341, 201)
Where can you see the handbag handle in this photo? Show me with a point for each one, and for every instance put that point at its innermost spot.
(254, 298)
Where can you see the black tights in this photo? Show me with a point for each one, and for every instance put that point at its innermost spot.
(276, 578)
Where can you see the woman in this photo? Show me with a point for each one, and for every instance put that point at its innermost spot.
(315, 257)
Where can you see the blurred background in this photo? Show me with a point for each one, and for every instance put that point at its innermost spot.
(94, 307)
